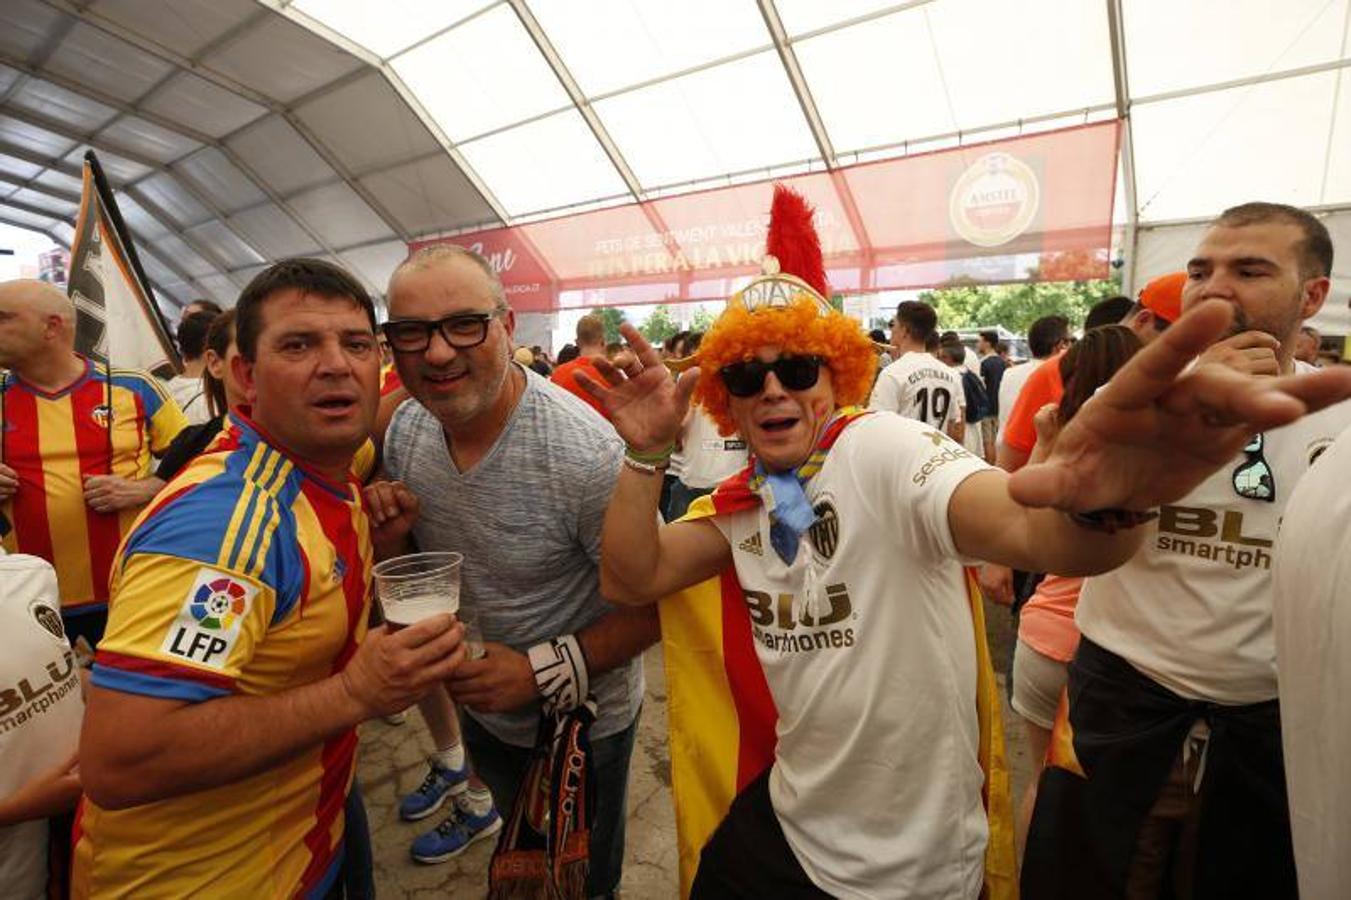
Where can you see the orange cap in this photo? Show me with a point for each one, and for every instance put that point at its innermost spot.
(1163, 296)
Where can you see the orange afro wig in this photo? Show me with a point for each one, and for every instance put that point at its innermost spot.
(799, 329)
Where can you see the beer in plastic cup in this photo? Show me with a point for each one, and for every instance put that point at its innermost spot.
(418, 586)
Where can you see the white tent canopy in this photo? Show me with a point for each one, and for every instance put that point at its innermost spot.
(238, 131)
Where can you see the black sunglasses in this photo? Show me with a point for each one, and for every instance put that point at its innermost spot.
(796, 373)
(463, 331)
(1252, 477)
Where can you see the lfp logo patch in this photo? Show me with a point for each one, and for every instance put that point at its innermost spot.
(217, 605)
(210, 620)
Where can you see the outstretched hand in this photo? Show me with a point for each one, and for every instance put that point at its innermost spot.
(1152, 433)
(645, 404)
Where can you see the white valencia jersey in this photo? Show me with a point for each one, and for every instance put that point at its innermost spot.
(1313, 659)
(40, 709)
(1192, 608)
(866, 643)
(918, 386)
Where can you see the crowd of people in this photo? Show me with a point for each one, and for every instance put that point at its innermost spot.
(190, 636)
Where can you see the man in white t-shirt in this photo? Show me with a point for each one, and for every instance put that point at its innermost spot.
(1173, 690)
(918, 385)
(859, 523)
(1312, 573)
(953, 355)
(707, 459)
(703, 457)
(40, 710)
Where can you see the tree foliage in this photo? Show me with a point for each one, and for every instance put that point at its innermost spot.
(965, 304)
(702, 320)
(659, 325)
(612, 318)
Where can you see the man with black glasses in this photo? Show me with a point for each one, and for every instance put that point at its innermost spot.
(1169, 779)
(847, 537)
(513, 472)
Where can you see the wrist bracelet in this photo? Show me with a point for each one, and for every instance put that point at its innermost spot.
(660, 456)
(646, 468)
(560, 673)
(1110, 521)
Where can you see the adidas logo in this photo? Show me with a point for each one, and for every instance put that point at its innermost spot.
(752, 545)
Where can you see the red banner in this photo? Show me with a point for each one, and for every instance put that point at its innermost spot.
(1030, 208)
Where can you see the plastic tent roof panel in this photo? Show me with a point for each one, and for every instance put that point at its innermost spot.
(254, 128)
(481, 76)
(390, 26)
(367, 125)
(1172, 46)
(645, 40)
(730, 118)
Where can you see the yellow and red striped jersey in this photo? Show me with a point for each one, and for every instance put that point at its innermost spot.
(389, 380)
(57, 440)
(248, 574)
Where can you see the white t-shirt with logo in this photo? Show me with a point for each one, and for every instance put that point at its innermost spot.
(918, 386)
(1313, 659)
(40, 709)
(1192, 609)
(876, 778)
(709, 458)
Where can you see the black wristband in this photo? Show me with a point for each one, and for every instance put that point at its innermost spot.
(1110, 521)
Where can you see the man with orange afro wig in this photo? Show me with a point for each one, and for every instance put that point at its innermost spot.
(848, 535)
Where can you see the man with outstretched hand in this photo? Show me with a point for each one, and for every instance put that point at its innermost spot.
(848, 536)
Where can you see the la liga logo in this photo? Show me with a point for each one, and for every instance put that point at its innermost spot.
(217, 604)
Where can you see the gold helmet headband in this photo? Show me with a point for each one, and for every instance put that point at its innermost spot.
(771, 290)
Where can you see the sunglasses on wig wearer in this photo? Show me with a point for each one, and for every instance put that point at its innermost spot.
(747, 378)
(1252, 477)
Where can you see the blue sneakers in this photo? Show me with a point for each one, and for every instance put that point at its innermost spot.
(453, 836)
(439, 784)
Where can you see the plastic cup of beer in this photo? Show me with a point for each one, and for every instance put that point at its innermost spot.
(418, 586)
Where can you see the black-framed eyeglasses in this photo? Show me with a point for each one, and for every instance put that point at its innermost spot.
(1252, 477)
(796, 373)
(463, 331)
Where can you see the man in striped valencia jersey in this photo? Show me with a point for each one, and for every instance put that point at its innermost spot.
(75, 449)
(219, 743)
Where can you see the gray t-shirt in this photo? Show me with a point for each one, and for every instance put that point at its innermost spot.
(527, 518)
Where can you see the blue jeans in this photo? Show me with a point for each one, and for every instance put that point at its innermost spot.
(501, 766)
(358, 861)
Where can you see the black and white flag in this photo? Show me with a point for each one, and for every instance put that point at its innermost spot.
(117, 319)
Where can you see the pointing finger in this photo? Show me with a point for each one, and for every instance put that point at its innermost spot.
(1153, 370)
(646, 354)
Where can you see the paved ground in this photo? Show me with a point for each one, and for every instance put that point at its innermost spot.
(392, 762)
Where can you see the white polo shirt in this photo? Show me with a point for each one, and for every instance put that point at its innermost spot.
(876, 778)
(1192, 609)
(918, 386)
